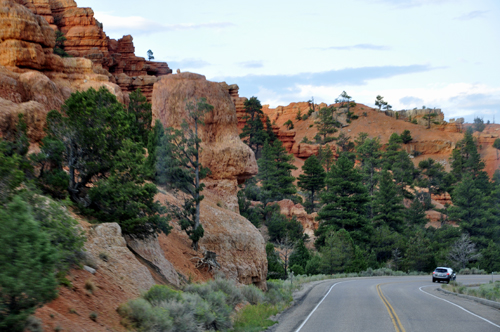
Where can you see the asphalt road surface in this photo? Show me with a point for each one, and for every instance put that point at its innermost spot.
(382, 304)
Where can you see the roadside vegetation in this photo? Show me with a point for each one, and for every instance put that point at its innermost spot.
(489, 291)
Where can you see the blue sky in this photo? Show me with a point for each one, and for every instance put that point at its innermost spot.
(437, 53)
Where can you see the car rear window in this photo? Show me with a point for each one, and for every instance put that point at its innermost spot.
(441, 270)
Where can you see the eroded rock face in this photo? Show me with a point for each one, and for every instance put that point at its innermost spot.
(31, 40)
(228, 158)
(150, 250)
(239, 246)
(308, 221)
(121, 266)
(26, 40)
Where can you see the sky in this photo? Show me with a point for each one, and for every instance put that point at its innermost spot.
(414, 53)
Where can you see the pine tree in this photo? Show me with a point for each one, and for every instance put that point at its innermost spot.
(91, 127)
(27, 265)
(471, 210)
(388, 204)
(465, 159)
(179, 167)
(344, 203)
(325, 157)
(397, 160)
(274, 264)
(419, 256)
(406, 136)
(415, 214)
(338, 253)
(326, 124)
(140, 112)
(312, 180)
(126, 198)
(379, 101)
(300, 255)
(275, 173)
(433, 175)
(253, 133)
(155, 137)
(368, 153)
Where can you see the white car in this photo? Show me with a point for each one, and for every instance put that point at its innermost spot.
(443, 274)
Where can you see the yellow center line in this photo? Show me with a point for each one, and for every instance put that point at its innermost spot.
(392, 313)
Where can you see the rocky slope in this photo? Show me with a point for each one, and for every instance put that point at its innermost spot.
(437, 142)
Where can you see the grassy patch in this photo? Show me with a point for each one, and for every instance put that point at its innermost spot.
(255, 318)
(489, 291)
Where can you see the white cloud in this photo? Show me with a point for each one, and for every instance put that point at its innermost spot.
(472, 15)
(140, 24)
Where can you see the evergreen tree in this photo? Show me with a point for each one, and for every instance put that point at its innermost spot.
(288, 124)
(91, 127)
(429, 116)
(275, 173)
(253, 133)
(406, 136)
(179, 167)
(490, 257)
(383, 242)
(388, 204)
(140, 112)
(126, 198)
(397, 160)
(419, 256)
(465, 159)
(368, 153)
(27, 264)
(326, 124)
(274, 265)
(338, 253)
(59, 47)
(415, 214)
(344, 142)
(379, 101)
(11, 176)
(155, 137)
(325, 157)
(300, 255)
(344, 203)
(271, 137)
(312, 180)
(433, 175)
(471, 209)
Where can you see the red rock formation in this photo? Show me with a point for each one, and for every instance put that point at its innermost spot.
(308, 221)
(86, 38)
(229, 159)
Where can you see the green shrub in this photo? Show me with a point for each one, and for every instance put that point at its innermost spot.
(252, 294)
(93, 315)
(297, 270)
(255, 318)
(159, 293)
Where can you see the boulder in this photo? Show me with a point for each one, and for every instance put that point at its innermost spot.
(149, 249)
(121, 266)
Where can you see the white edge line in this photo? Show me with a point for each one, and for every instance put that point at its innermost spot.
(324, 297)
(456, 305)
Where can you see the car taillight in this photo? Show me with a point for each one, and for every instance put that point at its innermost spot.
(433, 272)
(447, 274)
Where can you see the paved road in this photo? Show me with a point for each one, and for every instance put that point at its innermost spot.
(382, 304)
